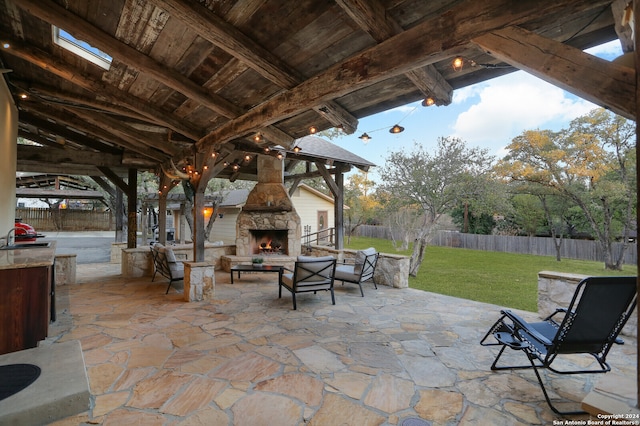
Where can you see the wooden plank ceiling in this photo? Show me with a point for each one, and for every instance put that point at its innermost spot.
(208, 76)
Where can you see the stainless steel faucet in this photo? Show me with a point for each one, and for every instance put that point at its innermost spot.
(8, 238)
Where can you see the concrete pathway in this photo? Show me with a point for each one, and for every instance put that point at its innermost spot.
(395, 357)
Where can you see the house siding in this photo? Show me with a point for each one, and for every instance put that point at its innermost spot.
(307, 204)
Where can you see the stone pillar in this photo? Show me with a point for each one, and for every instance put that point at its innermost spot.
(65, 269)
(116, 252)
(199, 281)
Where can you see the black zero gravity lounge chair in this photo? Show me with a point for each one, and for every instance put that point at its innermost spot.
(599, 309)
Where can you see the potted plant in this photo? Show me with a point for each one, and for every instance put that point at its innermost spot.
(257, 262)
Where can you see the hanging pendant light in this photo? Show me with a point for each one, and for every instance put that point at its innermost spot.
(396, 129)
(365, 137)
(428, 102)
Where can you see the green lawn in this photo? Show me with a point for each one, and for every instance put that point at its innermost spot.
(505, 279)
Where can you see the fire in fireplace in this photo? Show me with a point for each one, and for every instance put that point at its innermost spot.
(269, 242)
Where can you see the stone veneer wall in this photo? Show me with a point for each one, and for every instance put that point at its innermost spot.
(268, 221)
(555, 290)
(391, 270)
(137, 262)
(268, 207)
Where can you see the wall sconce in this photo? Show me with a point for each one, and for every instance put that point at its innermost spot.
(396, 129)
(457, 63)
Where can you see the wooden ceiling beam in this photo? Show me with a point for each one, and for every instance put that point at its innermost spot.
(421, 45)
(227, 37)
(50, 12)
(78, 101)
(39, 167)
(139, 141)
(34, 154)
(58, 67)
(597, 80)
(63, 129)
(372, 17)
(78, 120)
(620, 11)
(39, 139)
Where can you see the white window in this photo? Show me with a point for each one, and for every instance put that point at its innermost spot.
(81, 48)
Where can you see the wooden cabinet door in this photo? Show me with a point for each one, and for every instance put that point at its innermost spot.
(24, 307)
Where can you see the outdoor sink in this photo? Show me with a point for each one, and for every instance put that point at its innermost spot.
(25, 246)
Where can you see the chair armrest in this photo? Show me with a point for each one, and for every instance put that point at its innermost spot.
(523, 325)
(284, 268)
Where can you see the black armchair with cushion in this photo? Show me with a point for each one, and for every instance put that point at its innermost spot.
(599, 309)
(310, 274)
(166, 264)
(361, 270)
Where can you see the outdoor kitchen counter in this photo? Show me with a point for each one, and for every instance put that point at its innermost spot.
(27, 296)
(28, 257)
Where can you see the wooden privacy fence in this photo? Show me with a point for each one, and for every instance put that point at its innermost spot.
(43, 219)
(571, 249)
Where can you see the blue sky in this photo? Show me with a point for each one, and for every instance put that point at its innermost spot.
(487, 115)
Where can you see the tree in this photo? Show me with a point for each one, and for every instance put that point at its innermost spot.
(358, 195)
(434, 184)
(591, 164)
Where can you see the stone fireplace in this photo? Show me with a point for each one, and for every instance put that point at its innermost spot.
(268, 219)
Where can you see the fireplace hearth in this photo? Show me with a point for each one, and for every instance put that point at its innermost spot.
(271, 242)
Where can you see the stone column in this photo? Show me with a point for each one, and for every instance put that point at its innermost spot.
(199, 281)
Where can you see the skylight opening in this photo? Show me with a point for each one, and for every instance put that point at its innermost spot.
(81, 48)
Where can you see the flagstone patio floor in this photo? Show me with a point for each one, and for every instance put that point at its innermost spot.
(395, 357)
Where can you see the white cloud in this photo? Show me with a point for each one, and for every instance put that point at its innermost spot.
(514, 103)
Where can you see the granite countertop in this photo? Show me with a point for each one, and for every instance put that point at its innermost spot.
(28, 257)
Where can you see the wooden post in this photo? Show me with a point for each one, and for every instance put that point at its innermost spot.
(119, 202)
(198, 223)
(132, 201)
(163, 190)
(144, 223)
(338, 208)
(199, 182)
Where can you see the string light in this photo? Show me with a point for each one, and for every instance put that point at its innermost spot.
(258, 138)
(428, 102)
(395, 129)
(312, 130)
(457, 63)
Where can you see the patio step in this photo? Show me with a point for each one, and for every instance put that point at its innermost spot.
(61, 390)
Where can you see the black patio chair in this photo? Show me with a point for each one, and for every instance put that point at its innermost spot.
(599, 309)
(166, 264)
(310, 274)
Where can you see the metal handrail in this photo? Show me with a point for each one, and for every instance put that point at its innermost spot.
(324, 237)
